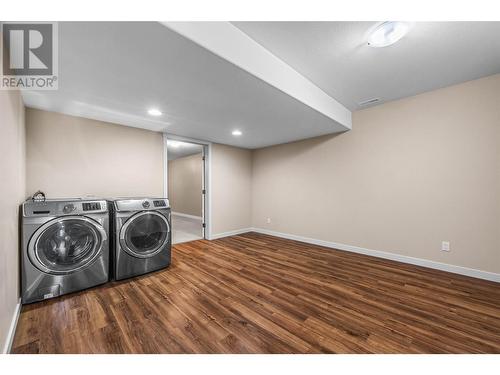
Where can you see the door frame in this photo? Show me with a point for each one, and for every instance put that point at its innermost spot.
(207, 152)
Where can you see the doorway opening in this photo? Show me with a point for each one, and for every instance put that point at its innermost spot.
(186, 188)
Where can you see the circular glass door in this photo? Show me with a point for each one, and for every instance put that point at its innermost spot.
(66, 245)
(145, 234)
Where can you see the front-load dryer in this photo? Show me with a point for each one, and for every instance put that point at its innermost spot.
(65, 247)
(142, 238)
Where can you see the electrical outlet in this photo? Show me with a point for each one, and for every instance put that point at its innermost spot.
(445, 246)
(268, 220)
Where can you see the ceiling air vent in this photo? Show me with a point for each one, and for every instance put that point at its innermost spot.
(369, 101)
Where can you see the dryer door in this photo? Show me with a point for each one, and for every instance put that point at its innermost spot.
(145, 234)
(66, 245)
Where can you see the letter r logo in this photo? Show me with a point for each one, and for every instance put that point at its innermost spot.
(27, 49)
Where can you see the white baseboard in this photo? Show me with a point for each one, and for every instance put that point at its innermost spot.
(485, 275)
(12, 329)
(491, 276)
(186, 215)
(230, 233)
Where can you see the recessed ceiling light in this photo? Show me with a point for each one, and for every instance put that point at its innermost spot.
(175, 144)
(237, 133)
(388, 33)
(154, 112)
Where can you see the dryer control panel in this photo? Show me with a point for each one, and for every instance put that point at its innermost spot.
(141, 204)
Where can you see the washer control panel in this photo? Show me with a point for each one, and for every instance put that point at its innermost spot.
(70, 207)
(161, 203)
(91, 206)
(63, 207)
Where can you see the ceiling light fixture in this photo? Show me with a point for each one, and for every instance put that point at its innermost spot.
(175, 144)
(388, 33)
(154, 112)
(236, 133)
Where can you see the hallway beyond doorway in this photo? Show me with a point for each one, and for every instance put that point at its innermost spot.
(186, 189)
(185, 228)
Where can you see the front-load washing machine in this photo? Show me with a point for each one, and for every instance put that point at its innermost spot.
(65, 247)
(142, 238)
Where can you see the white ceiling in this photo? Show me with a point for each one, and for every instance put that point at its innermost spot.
(115, 71)
(231, 44)
(335, 57)
(178, 149)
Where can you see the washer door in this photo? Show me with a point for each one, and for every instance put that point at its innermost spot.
(145, 234)
(66, 245)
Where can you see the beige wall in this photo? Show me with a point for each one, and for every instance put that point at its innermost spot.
(12, 194)
(410, 174)
(185, 184)
(74, 157)
(231, 188)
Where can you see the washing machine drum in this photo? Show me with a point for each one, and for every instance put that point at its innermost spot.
(66, 245)
(145, 234)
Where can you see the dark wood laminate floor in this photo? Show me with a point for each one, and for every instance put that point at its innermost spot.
(255, 293)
